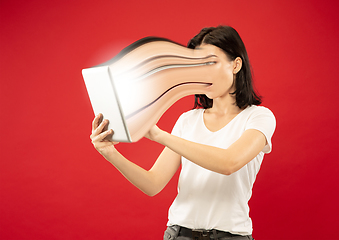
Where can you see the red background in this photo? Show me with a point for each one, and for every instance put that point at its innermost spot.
(54, 185)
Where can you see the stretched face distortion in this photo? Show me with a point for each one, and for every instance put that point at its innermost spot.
(148, 77)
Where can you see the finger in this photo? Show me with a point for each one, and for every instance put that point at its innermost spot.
(100, 137)
(99, 129)
(96, 121)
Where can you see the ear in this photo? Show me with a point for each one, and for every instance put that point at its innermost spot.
(237, 64)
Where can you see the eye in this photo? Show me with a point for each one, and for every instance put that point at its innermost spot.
(210, 63)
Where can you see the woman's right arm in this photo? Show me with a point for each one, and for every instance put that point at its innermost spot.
(150, 182)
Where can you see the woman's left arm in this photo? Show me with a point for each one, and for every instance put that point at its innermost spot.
(224, 161)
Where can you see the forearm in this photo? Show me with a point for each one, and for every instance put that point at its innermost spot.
(139, 177)
(149, 182)
(209, 157)
(224, 161)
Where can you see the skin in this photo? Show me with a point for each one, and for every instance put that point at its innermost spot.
(224, 161)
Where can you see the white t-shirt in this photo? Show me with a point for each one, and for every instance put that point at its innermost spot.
(209, 200)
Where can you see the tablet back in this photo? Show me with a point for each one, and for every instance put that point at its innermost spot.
(104, 99)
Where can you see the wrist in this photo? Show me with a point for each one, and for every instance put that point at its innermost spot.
(112, 156)
(161, 136)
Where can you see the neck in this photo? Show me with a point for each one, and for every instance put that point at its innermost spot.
(225, 105)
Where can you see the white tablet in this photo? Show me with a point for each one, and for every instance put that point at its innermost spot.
(104, 99)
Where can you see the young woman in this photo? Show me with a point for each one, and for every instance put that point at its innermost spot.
(220, 145)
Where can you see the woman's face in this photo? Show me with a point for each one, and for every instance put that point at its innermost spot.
(222, 76)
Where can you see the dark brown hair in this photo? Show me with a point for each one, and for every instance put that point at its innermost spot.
(228, 39)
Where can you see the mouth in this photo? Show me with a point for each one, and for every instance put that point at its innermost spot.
(164, 93)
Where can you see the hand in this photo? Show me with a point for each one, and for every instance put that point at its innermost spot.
(100, 136)
(153, 133)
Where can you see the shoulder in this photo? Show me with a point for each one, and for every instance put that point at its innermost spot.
(186, 120)
(261, 118)
(191, 114)
(257, 112)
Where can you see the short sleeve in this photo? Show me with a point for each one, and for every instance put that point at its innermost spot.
(263, 120)
(177, 129)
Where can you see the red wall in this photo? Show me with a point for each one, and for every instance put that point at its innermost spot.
(54, 185)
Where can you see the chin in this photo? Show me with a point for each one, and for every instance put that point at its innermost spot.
(210, 96)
